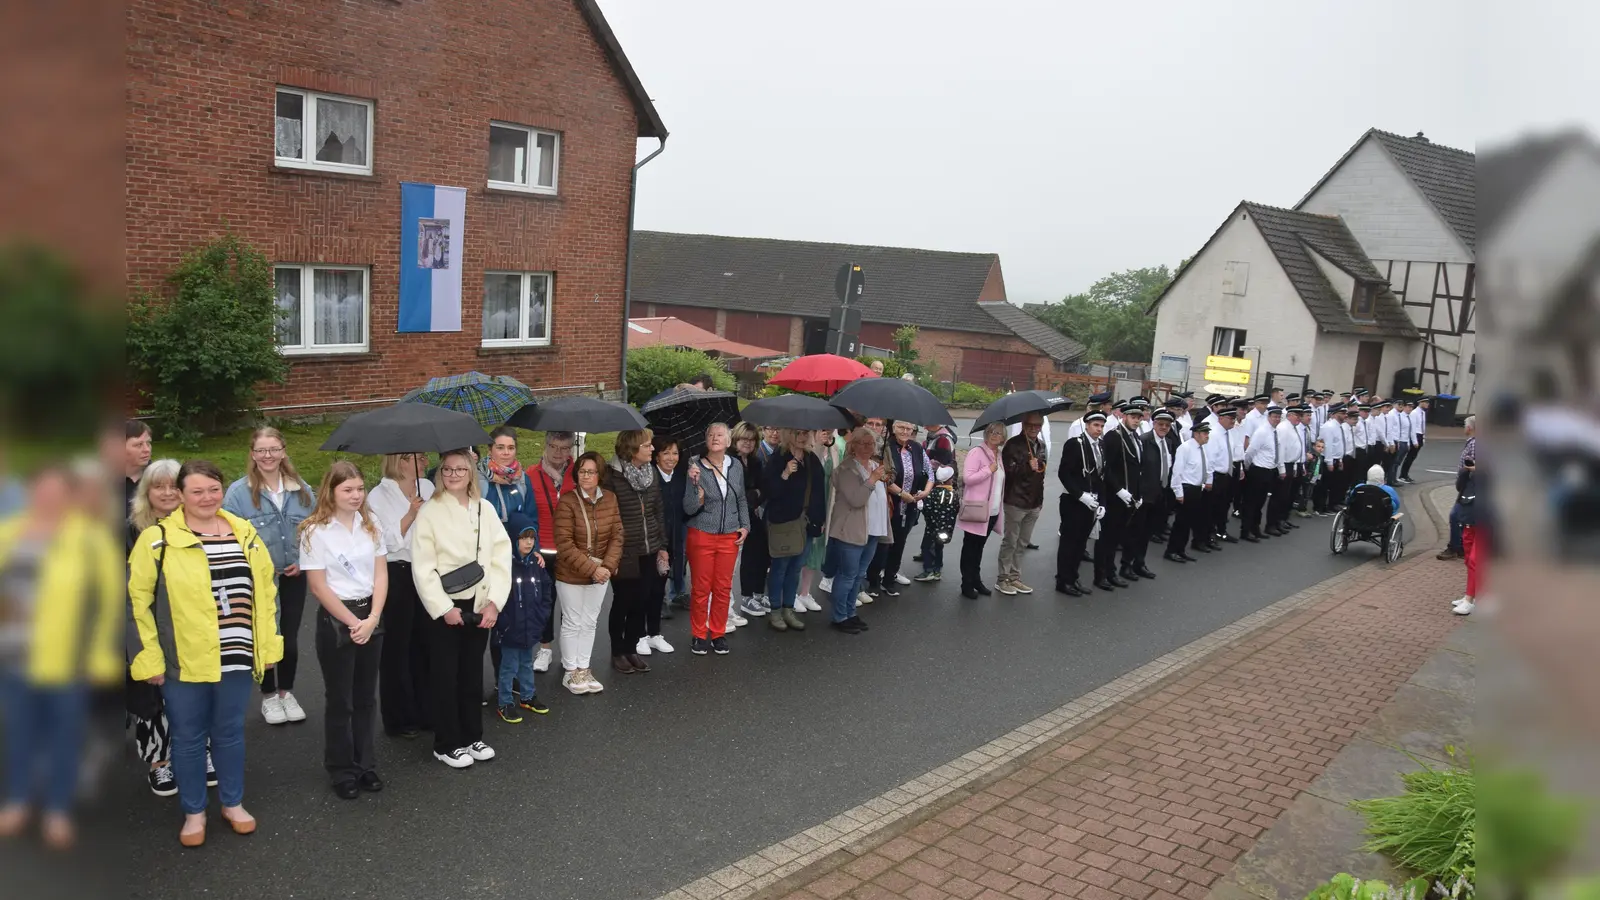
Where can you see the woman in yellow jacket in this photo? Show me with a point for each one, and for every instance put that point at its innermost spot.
(206, 616)
(60, 599)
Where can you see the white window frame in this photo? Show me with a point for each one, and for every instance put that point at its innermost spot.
(308, 313)
(308, 156)
(522, 310)
(1237, 336)
(532, 135)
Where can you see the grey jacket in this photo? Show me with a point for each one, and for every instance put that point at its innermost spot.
(851, 494)
(279, 529)
(718, 514)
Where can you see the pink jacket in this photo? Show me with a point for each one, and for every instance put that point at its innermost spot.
(978, 482)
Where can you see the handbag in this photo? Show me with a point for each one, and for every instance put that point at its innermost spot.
(463, 578)
(975, 510)
(789, 538)
(360, 609)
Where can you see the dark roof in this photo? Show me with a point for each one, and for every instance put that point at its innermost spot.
(1290, 232)
(1445, 176)
(650, 124)
(1030, 328)
(930, 288)
(1509, 173)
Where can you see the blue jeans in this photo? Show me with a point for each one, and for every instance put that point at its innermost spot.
(44, 730)
(215, 710)
(932, 551)
(1455, 528)
(678, 577)
(516, 664)
(850, 563)
(783, 581)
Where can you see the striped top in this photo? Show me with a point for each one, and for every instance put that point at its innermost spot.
(233, 588)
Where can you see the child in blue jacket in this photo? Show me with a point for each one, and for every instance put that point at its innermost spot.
(518, 628)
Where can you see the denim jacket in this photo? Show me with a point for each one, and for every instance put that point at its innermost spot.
(279, 529)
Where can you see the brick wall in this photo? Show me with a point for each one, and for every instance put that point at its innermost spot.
(201, 80)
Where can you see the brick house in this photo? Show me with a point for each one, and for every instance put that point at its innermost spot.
(776, 293)
(294, 123)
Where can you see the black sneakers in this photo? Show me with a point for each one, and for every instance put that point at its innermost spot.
(699, 646)
(162, 781)
(719, 646)
(847, 626)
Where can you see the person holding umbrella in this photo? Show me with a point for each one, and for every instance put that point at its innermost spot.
(860, 517)
(668, 454)
(796, 493)
(908, 462)
(461, 566)
(828, 450)
(403, 661)
(1024, 458)
(642, 569)
(983, 487)
(719, 522)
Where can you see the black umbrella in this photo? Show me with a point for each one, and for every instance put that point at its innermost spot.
(578, 414)
(406, 428)
(684, 413)
(1011, 408)
(796, 411)
(893, 398)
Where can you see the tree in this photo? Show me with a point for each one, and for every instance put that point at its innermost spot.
(1110, 317)
(201, 354)
(652, 370)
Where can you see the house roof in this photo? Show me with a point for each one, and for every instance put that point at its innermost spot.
(1030, 328)
(1509, 173)
(675, 332)
(650, 124)
(1445, 176)
(1291, 235)
(929, 288)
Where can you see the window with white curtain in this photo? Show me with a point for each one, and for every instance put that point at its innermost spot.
(516, 309)
(523, 158)
(322, 131)
(322, 309)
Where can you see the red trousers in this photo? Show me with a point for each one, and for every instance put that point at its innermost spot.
(1471, 548)
(711, 561)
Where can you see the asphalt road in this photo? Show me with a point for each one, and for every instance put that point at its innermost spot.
(667, 776)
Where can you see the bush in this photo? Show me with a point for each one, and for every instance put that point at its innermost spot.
(1431, 828)
(892, 368)
(652, 370)
(969, 394)
(1347, 887)
(201, 355)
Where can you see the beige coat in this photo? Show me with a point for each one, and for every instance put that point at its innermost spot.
(851, 494)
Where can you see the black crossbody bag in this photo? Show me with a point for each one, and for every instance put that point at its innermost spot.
(466, 577)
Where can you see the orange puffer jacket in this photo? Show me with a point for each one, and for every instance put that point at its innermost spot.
(587, 530)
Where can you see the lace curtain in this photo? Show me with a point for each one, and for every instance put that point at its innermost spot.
(288, 284)
(340, 311)
(502, 299)
(288, 125)
(341, 135)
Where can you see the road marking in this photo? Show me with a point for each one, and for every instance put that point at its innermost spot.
(1442, 471)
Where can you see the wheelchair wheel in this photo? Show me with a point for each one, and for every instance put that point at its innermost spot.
(1338, 538)
(1394, 542)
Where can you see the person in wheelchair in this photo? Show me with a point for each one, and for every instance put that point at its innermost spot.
(1371, 514)
(1375, 478)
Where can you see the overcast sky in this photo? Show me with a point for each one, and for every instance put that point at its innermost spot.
(1074, 139)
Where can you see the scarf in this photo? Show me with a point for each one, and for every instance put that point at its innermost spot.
(511, 474)
(638, 476)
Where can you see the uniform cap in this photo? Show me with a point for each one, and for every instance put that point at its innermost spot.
(1201, 427)
(1162, 416)
(1094, 417)
(1102, 397)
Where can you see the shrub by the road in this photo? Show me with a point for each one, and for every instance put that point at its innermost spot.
(652, 370)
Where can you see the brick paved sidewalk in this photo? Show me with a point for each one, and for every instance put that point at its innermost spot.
(1157, 798)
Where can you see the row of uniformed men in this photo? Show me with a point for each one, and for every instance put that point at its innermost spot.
(1125, 472)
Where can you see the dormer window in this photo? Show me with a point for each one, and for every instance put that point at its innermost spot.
(1363, 300)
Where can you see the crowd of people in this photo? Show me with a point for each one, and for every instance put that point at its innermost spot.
(447, 560)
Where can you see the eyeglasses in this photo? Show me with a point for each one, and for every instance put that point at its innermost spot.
(590, 473)
(267, 451)
(455, 471)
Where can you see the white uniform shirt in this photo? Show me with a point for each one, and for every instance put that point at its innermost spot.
(1349, 436)
(348, 558)
(1291, 450)
(1191, 465)
(1303, 432)
(1319, 417)
(1333, 440)
(1419, 422)
(1266, 451)
(389, 505)
(1361, 433)
(1225, 448)
(1402, 426)
(1378, 429)
(1184, 424)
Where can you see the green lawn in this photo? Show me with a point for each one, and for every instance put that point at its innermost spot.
(229, 451)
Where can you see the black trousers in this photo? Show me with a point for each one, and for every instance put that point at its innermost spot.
(403, 665)
(1258, 481)
(291, 608)
(1157, 511)
(349, 717)
(972, 555)
(1220, 502)
(1411, 456)
(1136, 536)
(455, 655)
(1112, 528)
(1077, 521)
(1324, 488)
(632, 600)
(1187, 515)
(886, 559)
(754, 562)
(1282, 495)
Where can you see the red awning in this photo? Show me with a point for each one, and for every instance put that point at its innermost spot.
(675, 332)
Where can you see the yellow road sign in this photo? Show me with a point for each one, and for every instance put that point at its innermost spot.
(1226, 376)
(1227, 362)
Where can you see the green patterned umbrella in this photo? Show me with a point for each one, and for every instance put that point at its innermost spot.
(490, 399)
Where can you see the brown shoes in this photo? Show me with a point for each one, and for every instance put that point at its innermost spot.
(1448, 555)
(621, 664)
(638, 663)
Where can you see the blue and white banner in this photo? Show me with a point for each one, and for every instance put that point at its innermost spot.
(431, 220)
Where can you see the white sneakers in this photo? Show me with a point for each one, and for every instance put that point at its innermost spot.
(581, 681)
(826, 585)
(863, 598)
(1464, 606)
(736, 621)
(272, 710)
(643, 647)
(901, 579)
(806, 603)
(455, 759)
(659, 643)
(480, 751)
(541, 660)
(291, 708)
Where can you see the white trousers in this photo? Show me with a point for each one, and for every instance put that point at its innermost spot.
(580, 615)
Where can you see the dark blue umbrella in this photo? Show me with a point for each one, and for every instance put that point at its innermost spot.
(1011, 408)
(893, 398)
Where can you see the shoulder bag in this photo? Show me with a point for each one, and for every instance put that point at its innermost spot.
(789, 538)
(976, 510)
(466, 577)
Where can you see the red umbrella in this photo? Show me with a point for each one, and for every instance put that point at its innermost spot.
(820, 373)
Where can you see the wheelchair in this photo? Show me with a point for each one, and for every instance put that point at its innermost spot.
(1369, 517)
